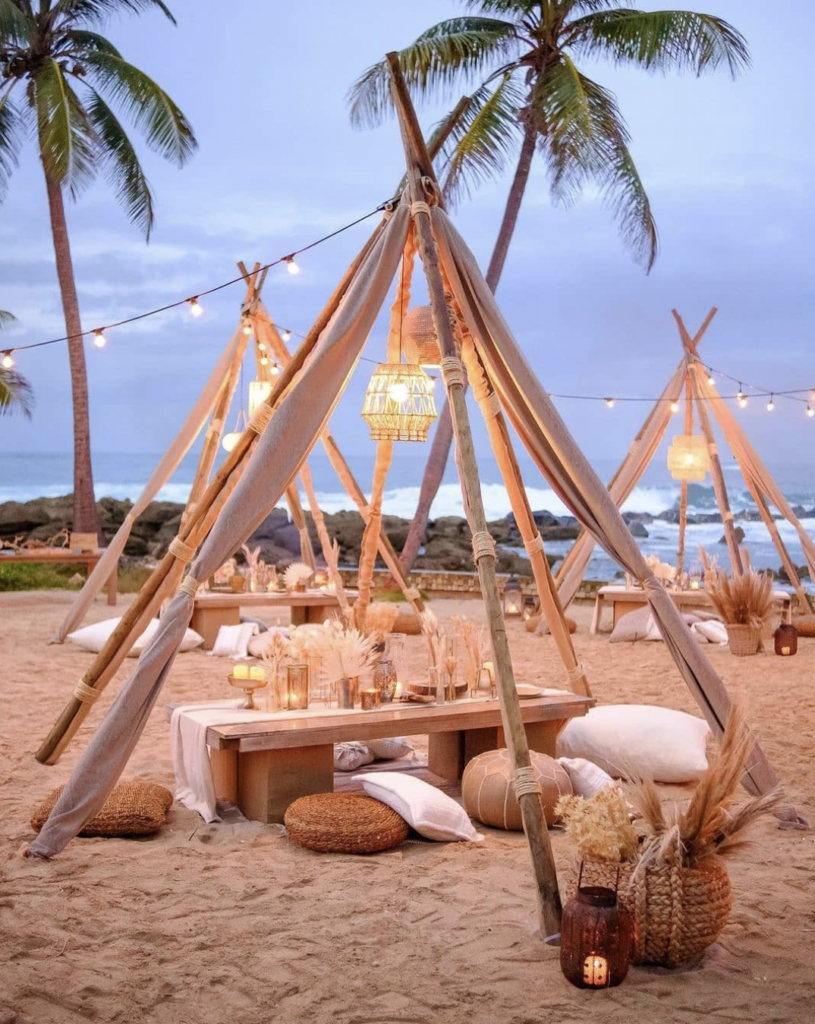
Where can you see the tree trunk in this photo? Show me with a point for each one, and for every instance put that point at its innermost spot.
(86, 517)
(443, 438)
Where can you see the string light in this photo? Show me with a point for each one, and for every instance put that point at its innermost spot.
(196, 309)
(8, 362)
(99, 338)
(810, 411)
(741, 399)
(264, 360)
(291, 266)
(674, 406)
(261, 346)
(710, 379)
(247, 328)
(275, 370)
(770, 404)
(287, 335)
(610, 403)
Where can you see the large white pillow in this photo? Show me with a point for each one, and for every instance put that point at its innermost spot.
(259, 645)
(93, 638)
(586, 778)
(233, 641)
(432, 813)
(390, 748)
(639, 740)
(351, 755)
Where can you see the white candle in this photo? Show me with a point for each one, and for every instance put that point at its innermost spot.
(490, 670)
(240, 672)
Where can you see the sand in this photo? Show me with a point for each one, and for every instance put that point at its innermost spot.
(230, 922)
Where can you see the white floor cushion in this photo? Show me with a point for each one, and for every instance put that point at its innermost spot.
(93, 638)
(233, 641)
(390, 748)
(351, 755)
(639, 740)
(586, 778)
(430, 812)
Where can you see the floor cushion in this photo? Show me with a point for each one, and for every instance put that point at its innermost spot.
(344, 823)
(488, 788)
(407, 622)
(351, 755)
(432, 813)
(586, 778)
(805, 624)
(538, 624)
(94, 637)
(132, 809)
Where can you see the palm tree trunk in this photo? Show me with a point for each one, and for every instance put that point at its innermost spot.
(86, 517)
(443, 438)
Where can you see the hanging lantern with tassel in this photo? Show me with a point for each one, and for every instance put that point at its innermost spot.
(259, 391)
(688, 458)
(420, 342)
(399, 403)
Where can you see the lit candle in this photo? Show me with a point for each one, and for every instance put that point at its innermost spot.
(398, 691)
(240, 672)
(694, 584)
(369, 699)
(256, 672)
(786, 650)
(595, 971)
(490, 670)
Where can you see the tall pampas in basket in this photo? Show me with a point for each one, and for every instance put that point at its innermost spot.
(744, 602)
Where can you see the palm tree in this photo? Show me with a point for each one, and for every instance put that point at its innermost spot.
(61, 83)
(532, 98)
(15, 391)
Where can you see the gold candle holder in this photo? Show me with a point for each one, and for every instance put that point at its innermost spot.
(370, 699)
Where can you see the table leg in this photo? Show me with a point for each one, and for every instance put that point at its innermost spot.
(113, 584)
(300, 614)
(224, 767)
(542, 736)
(270, 780)
(445, 754)
(595, 619)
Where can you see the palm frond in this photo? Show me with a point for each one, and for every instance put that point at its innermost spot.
(567, 7)
(6, 318)
(165, 127)
(660, 40)
(81, 41)
(120, 164)
(99, 10)
(67, 143)
(584, 139)
(484, 137)
(11, 138)
(16, 394)
(516, 9)
(443, 60)
(15, 26)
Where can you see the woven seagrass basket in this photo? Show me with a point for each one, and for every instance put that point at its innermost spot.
(678, 911)
(132, 809)
(344, 823)
(744, 640)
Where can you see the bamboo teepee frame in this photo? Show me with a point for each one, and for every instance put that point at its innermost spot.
(691, 380)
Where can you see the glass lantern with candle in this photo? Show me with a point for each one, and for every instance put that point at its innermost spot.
(597, 938)
(786, 640)
(513, 599)
(296, 696)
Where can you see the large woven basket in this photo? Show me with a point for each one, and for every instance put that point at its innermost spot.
(344, 823)
(132, 809)
(744, 640)
(678, 911)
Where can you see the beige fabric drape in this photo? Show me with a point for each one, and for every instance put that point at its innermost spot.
(167, 465)
(556, 454)
(295, 426)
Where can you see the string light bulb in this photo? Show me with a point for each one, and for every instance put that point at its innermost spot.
(261, 346)
(674, 406)
(770, 404)
(196, 309)
(610, 403)
(741, 398)
(8, 361)
(275, 370)
(291, 266)
(99, 338)
(247, 328)
(710, 379)
(264, 360)
(286, 335)
(810, 411)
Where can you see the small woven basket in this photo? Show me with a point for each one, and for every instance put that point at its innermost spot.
(678, 911)
(744, 640)
(344, 823)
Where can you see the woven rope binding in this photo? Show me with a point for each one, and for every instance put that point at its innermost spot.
(180, 550)
(526, 781)
(86, 694)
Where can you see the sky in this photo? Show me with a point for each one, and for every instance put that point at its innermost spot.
(728, 166)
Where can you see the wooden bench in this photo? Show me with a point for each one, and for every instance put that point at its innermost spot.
(62, 556)
(262, 767)
(211, 611)
(623, 600)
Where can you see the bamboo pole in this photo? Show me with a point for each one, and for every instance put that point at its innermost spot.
(683, 491)
(716, 472)
(419, 167)
(97, 677)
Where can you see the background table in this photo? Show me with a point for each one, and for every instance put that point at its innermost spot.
(66, 557)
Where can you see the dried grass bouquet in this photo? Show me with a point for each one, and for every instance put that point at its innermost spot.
(744, 599)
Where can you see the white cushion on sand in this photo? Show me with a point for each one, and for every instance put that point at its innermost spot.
(391, 748)
(93, 638)
(432, 813)
(259, 645)
(639, 740)
(233, 641)
(633, 626)
(586, 778)
(710, 631)
(351, 755)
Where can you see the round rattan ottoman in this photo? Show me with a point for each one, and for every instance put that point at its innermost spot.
(344, 823)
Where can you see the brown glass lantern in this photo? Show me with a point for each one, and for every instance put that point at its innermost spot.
(786, 640)
(513, 599)
(296, 695)
(597, 938)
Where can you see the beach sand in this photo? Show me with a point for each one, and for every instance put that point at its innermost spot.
(230, 922)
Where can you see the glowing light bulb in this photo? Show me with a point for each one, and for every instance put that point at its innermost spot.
(264, 360)
(674, 406)
(261, 346)
(742, 401)
(770, 404)
(398, 392)
(196, 309)
(275, 370)
(247, 328)
(99, 338)
(8, 362)
(230, 440)
(610, 403)
(286, 335)
(810, 411)
(710, 379)
(291, 266)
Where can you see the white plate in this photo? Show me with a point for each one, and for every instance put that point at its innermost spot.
(525, 690)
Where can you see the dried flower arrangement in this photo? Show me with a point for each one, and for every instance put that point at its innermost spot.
(297, 574)
(744, 599)
(273, 657)
(379, 621)
(437, 645)
(475, 647)
(346, 653)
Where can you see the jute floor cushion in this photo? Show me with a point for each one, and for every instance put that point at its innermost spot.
(132, 809)
(489, 793)
(344, 823)
(532, 624)
(805, 625)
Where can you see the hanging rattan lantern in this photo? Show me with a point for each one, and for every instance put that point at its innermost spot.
(399, 403)
(688, 458)
(259, 391)
(420, 342)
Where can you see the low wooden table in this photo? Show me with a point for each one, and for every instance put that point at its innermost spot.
(263, 767)
(212, 611)
(63, 556)
(628, 599)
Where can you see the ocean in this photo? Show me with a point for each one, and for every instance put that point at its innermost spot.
(23, 477)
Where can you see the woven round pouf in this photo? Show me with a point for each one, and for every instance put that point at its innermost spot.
(488, 789)
(805, 625)
(344, 823)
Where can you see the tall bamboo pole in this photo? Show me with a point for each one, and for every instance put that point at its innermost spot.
(97, 676)
(419, 167)
(683, 491)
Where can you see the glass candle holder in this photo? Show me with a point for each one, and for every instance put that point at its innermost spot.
(384, 679)
(297, 687)
(347, 692)
(370, 699)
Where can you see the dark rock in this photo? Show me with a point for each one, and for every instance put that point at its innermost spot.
(739, 536)
(637, 529)
(566, 532)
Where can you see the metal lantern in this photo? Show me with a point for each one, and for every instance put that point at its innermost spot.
(689, 458)
(530, 607)
(597, 938)
(420, 342)
(786, 640)
(399, 403)
(259, 391)
(513, 598)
